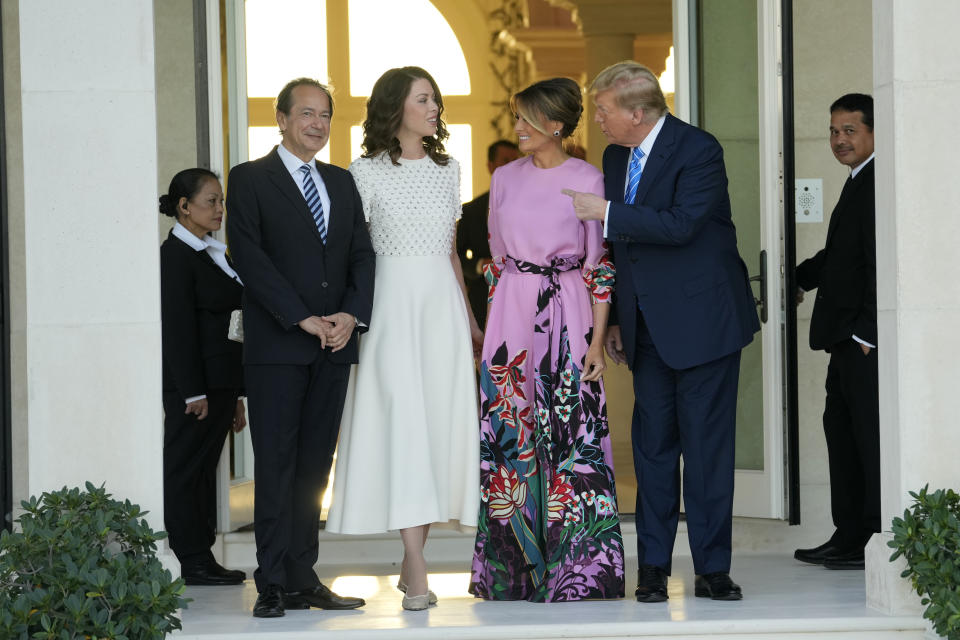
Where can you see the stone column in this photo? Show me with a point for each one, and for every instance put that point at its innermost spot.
(916, 90)
(609, 29)
(86, 348)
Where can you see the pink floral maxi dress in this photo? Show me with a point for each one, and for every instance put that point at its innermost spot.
(548, 528)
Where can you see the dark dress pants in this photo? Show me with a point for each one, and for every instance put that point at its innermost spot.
(295, 415)
(851, 423)
(690, 413)
(191, 451)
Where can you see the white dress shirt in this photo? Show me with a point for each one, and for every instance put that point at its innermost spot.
(293, 164)
(217, 251)
(646, 146)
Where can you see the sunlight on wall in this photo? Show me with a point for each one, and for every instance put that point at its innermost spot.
(667, 77)
(458, 145)
(284, 44)
(387, 33)
(262, 139)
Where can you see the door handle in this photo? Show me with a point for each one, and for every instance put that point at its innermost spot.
(762, 279)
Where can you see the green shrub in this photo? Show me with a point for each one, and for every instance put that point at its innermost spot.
(84, 566)
(928, 536)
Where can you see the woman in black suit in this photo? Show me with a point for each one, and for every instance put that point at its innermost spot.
(202, 372)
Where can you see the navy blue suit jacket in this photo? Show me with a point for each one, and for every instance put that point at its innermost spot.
(288, 272)
(675, 250)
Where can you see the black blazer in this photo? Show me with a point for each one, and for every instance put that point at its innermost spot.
(472, 234)
(196, 298)
(844, 272)
(287, 271)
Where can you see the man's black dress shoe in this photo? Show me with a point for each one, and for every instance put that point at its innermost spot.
(269, 603)
(852, 560)
(717, 586)
(231, 573)
(320, 597)
(651, 584)
(817, 555)
(211, 574)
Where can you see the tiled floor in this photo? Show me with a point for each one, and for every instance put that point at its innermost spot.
(783, 599)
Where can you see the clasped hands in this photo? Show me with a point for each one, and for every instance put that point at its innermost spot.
(334, 330)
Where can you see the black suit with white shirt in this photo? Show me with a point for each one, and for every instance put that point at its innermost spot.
(295, 388)
(844, 273)
(197, 297)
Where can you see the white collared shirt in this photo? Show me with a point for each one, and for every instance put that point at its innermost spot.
(293, 164)
(214, 248)
(646, 146)
(856, 169)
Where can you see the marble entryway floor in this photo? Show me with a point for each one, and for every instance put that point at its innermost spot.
(784, 599)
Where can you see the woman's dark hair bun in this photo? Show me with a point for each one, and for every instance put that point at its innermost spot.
(186, 184)
(167, 207)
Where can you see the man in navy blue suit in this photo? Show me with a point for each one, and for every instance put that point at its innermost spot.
(683, 313)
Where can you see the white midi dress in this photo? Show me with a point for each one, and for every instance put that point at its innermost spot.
(409, 440)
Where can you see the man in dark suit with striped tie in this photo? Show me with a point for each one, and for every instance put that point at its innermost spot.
(683, 312)
(299, 241)
(844, 323)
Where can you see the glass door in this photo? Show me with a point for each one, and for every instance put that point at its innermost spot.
(734, 93)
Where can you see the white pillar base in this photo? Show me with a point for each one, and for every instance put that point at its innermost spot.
(886, 590)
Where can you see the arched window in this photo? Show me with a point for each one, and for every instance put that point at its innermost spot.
(349, 43)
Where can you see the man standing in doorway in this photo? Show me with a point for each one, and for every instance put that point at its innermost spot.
(299, 241)
(473, 244)
(844, 323)
(683, 313)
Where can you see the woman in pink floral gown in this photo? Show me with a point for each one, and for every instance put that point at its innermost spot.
(548, 528)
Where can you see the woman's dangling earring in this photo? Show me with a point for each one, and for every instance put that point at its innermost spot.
(556, 134)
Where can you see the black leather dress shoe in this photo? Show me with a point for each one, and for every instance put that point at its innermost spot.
(852, 560)
(320, 597)
(269, 603)
(651, 584)
(236, 574)
(210, 574)
(717, 586)
(817, 555)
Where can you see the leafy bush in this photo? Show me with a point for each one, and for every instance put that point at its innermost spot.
(84, 566)
(928, 536)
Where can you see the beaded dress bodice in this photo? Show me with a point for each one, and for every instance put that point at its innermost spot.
(412, 209)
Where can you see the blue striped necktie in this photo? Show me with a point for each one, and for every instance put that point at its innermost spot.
(313, 201)
(633, 175)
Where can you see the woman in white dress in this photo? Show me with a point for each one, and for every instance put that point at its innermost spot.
(409, 442)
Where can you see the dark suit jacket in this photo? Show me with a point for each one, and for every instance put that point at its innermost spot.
(196, 298)
(844, 272)
(472, 234)
(288, 272)
(675, 250)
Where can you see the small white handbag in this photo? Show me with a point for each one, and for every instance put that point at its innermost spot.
(235, 331)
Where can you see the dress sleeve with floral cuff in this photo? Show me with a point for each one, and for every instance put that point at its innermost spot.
(491, 275)
(599, 279)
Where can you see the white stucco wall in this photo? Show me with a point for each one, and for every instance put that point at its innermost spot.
(88, 338)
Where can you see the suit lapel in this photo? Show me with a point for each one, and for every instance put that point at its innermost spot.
(850, 187)
(659, 154)
(284, 183)
(616, 177)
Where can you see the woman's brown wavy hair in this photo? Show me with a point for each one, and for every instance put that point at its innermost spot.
(385, 114)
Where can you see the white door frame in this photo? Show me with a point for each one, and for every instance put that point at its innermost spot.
(758, 494)
(234, 495)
